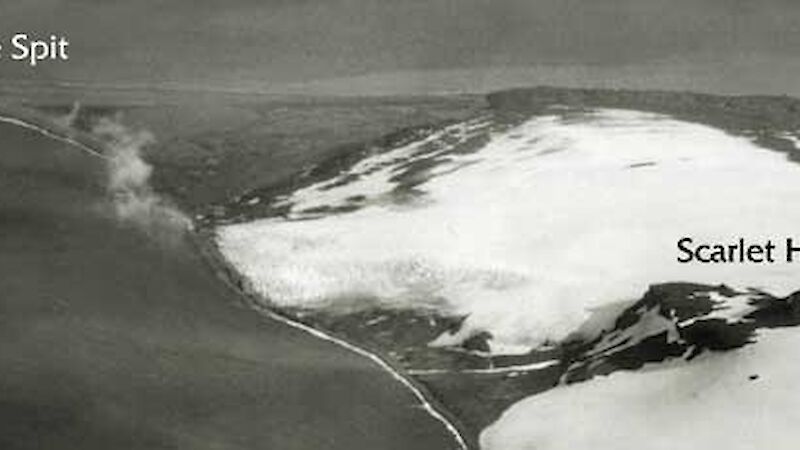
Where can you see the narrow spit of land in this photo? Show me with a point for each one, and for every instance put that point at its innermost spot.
(112, 339)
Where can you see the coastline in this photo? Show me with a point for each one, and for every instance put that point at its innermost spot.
(30, 119)
(203, 239)
(455, 402)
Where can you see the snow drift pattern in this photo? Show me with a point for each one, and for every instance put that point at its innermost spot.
(526, 233)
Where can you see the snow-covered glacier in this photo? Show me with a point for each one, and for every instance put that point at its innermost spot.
(740, 400)
(523, 227)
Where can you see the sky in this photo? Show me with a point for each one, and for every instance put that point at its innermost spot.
(349, 46)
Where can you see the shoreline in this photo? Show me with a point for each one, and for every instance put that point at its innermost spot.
(203, 239)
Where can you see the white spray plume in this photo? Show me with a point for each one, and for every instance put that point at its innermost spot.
(134, 200)
(67, 121)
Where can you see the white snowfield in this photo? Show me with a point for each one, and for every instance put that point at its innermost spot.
(548, 219)
(739, 400)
